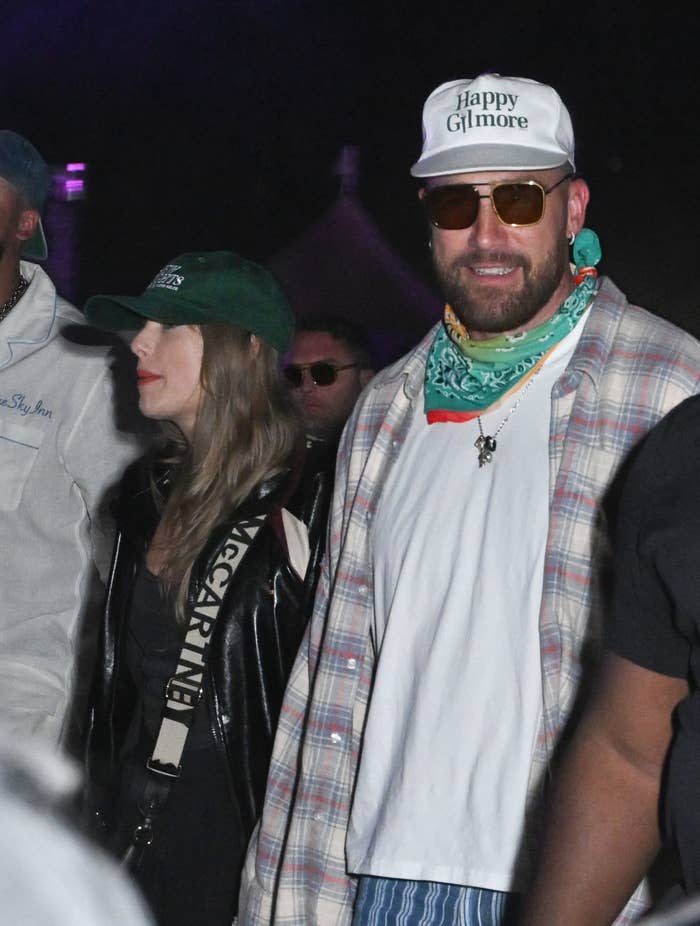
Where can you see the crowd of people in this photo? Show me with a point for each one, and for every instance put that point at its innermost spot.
(332, 645)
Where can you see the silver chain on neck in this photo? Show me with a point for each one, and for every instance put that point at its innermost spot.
(17, 294)
(486, 443)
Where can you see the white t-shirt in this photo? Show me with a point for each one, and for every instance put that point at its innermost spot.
(458, 555)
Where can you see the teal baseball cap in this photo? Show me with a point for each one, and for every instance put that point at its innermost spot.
(23, 167)
(200, 287)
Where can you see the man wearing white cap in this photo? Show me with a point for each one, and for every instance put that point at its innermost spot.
(60, 450)
(460, 594)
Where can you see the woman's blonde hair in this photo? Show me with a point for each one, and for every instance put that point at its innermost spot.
(246, 431)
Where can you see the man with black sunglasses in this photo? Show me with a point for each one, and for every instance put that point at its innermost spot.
(460, 596)
(327, 367)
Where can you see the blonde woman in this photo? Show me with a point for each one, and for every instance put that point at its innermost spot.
(219, 533)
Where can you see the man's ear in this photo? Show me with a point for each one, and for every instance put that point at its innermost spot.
(28, 223)
(366, 376)
(579, 195)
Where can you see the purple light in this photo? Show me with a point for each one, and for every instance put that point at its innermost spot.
(75, 167)
(73, 186)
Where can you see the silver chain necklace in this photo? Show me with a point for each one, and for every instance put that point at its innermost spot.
(17, 294)
(486, 443)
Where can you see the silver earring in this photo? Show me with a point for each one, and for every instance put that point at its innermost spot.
(571, 238)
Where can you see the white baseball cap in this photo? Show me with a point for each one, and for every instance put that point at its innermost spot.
(494, 123)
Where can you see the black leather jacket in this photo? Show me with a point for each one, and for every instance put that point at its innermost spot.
(257, 634)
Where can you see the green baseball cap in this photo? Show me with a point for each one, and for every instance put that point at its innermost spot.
(200, 287)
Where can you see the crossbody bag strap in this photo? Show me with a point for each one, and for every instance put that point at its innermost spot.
(184, 689)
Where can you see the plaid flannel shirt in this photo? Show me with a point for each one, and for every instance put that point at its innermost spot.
(628, 370)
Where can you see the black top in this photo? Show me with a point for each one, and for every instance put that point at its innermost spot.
(196, 821)
(656, 614)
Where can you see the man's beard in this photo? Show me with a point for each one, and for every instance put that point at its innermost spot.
(486, 309)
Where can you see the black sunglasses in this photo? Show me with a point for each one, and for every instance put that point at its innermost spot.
(322, 373)
(516, 203)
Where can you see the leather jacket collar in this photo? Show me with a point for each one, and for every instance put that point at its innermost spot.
(137, 513)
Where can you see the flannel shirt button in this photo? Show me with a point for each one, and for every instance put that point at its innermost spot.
(336, 738)
(318, 817)
(362, 589)
(352, 663)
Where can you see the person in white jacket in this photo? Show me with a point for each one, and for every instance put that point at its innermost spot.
(60, 450)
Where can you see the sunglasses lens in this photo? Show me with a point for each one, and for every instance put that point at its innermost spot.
(457, 206)
(452, 207)
(294, 375)
(323, 374)
(519, 203)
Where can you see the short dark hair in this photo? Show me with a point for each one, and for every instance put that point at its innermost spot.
(342, 329)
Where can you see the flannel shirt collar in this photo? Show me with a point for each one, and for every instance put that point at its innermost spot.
(592, 355)
(410, 368)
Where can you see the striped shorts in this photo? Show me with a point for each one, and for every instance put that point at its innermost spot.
(392, 902)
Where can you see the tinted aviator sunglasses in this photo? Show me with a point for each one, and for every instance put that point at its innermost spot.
(516, 203)
(322, 373)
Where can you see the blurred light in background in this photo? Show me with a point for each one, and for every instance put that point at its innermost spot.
(64, 221)
(68, 182)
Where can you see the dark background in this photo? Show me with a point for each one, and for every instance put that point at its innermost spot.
(218, 124)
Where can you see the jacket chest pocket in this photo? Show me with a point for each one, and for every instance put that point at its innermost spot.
(19, 445)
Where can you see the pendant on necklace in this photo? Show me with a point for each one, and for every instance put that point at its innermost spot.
(486, 445)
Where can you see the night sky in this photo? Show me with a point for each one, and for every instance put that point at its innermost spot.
(210, 124)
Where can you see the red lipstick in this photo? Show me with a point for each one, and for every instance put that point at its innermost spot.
(145, 376)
